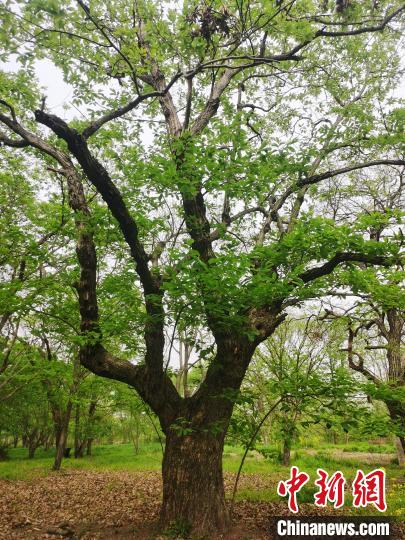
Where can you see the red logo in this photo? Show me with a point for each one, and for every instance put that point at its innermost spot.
(369, 489)
(292, 486)
(366, 488)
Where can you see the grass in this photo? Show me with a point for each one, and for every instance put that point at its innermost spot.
(123, 458)
(361, 446)
(117, 457)
(324, 460)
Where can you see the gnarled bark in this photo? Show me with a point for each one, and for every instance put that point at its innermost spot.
(193, 489)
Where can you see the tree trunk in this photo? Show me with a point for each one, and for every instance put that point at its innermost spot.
(62, 438)
(57, 423)
(77, 453)
(396, 364)
(58, 431)
(81, 447)
(396, 411)
(400, 445)
(60, 450)
(286, 452)
(88, 442)
(89, 446)
(193, 489)
(135, 438)
(48, 443)
(32, 443)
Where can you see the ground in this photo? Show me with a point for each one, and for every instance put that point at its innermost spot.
(114, 495)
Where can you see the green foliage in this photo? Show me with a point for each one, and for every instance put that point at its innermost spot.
(265, 199)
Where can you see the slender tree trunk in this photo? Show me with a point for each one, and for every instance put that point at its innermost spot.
(400, 446)
(187, 354)
(136, 436)
(48, 443)
(77, 433)
(286, 452)
(89, 441)
(60, 450)
(58, 431)
(396, 364)
(63, 435)
(57, 420)
(396, 411)
(32, 443)
(89, 446)
(193, 489)
(79, 452)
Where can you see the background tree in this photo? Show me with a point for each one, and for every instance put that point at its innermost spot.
(301, 365)
(374, 309)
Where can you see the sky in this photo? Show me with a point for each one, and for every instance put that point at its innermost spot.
(59, 94)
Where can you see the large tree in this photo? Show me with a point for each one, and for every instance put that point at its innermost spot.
(208, 131)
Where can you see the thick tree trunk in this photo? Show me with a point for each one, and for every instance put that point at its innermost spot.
(193, 489)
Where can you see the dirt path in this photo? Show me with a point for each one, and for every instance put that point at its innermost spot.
(112, 505)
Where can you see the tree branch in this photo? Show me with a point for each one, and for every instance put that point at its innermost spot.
(360, 365)
(330, 174)
(339, 258)
(12, 142)
(213, 102)
(148, 379)
(121, 111)
(225, 223)
(314, 179)
(364, 30)
(100, 178)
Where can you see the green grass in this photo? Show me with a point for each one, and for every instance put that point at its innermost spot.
(123, 458)
(117, 457)
(360, 446)
(310, 464)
